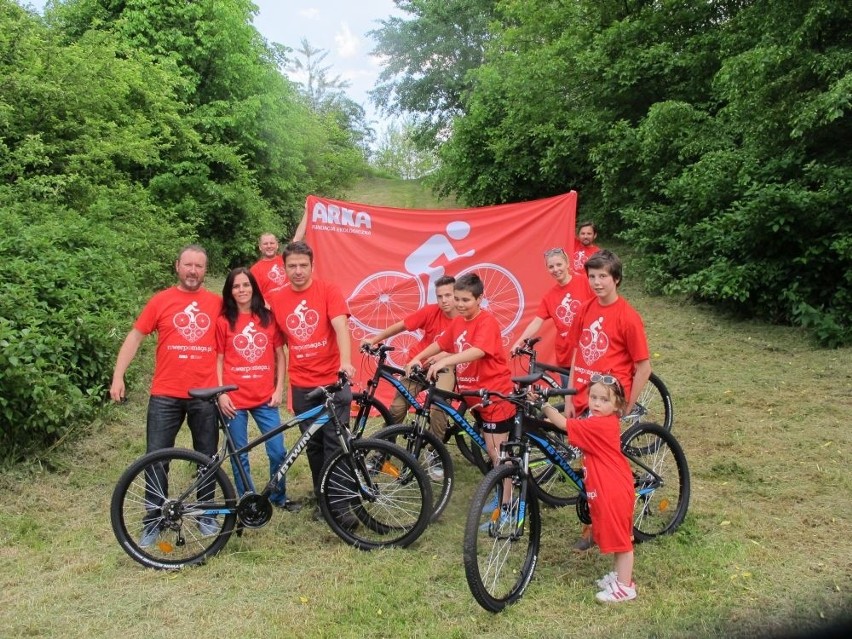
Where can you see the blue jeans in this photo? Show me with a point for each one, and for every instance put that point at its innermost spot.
(267, 418)
(165, 417)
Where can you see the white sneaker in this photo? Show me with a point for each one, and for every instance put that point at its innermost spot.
(606, 580)
(616, 592)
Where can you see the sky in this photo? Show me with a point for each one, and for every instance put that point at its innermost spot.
(337, 26)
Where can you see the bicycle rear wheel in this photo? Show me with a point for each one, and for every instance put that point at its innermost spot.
(165, 517)
(376, 495)
(661, 480)
(654, 405)
(433, 457)
(501, 547)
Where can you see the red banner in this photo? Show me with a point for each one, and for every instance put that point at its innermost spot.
(385, 260)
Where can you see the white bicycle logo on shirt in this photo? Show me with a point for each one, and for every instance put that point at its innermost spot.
(250, 343)
(191, 323)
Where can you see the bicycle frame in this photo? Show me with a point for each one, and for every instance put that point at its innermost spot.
(321, 415)
(390, 374)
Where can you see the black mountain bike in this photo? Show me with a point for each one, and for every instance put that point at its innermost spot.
(176, 507)
(501, 546)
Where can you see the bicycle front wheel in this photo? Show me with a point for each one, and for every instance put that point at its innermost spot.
(501, 544)
(376, 495)
(167, 509)
(433, 457)
(661, 480)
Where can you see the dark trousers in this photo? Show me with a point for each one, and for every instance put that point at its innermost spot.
(324, 444)
(165, 417)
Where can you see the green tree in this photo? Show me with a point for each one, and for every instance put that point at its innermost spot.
(257, 165)
(84, 135)
(706, 133)
(427, 57)
(397, 153)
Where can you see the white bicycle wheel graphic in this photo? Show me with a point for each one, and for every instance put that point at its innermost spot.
(385, 298)
(405, 346)
(503, 296)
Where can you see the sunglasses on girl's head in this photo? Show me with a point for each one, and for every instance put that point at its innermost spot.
(554, 251)
(608, 380)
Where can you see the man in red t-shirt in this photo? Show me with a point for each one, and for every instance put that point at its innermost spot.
(184, 318)
(584, 246)
(432, 319)
(269, 269)
(313, 316)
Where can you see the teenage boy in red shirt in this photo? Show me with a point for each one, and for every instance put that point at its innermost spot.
(432, 319)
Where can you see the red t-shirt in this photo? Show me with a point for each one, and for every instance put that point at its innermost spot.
(431, 320)
(269, 273)
(561, 304)
(249, 350)
(305, 319)
(579, 256)
(186, 339)
(609, 480)
(609, 339)
(491, 371)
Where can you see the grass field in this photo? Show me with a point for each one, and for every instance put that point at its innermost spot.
(766, 548)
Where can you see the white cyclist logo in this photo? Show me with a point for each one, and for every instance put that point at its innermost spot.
(191, 323)
(594, 341)
(302, 322)
(276, 275)
(567, 309)
(250, 344)
(461, 345)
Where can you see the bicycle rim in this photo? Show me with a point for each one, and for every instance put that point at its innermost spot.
(147, 502)
(393, 505)
(500, 553)
(653, 405)
(433, 458)
(661, 480)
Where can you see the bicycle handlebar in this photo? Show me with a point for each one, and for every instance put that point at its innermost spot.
(376, 349)
(529, 347)
(330, 389)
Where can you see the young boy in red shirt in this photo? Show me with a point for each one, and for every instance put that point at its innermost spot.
(474, 345)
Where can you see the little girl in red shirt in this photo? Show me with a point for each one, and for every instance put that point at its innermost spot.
(608, 482)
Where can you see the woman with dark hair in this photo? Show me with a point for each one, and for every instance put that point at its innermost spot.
(250, 354)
